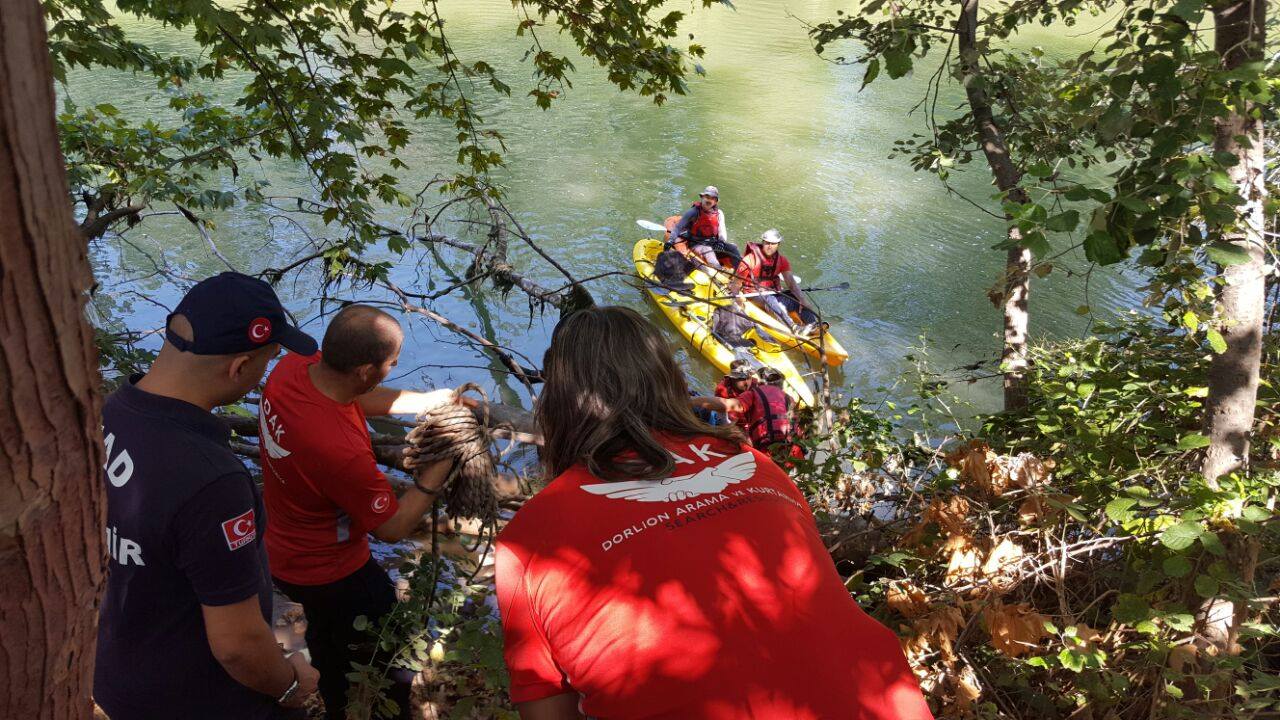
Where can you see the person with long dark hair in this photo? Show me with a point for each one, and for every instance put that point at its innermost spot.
(669, 570)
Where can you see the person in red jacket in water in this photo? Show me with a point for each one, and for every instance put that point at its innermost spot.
(762, 410)
(703, 231)
(669, 570)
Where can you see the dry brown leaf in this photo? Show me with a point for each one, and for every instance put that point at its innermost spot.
(1028, 471)
(907, 600)
(980, 468)
(936, 632)
(1183, 655)
(1002, 565)
(965, 688)
(951, 514)
(1087, 635)
(965, 560)
(1015, 629)
(1035, 510)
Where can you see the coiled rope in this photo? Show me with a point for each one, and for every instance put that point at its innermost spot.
(452, 432)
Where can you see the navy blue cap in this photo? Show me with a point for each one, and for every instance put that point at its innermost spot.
(234, 313)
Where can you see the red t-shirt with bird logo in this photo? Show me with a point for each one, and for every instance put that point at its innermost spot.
(708, 594)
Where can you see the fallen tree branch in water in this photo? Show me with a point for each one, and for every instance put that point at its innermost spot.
(525, 375)
(490, 258)
(570, 297)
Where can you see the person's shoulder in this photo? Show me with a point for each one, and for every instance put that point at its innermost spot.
(698, 445)
(544, 510)
(291, 364)
(208, 474)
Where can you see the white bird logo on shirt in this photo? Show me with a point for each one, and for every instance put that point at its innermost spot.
(710, 479)
(265, 436)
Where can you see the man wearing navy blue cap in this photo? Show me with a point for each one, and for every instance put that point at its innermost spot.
(184, 626)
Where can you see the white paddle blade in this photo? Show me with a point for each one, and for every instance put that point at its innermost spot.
(651, 226)
(797, 277)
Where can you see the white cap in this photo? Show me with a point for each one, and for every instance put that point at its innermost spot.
(711, 190)
(771, 237)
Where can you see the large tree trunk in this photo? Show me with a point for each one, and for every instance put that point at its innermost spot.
(1016, 281)
(1239, 30)
(51, 500)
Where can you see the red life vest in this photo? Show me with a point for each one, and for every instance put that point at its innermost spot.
(768, 420)
(765, 274)
(706, 226)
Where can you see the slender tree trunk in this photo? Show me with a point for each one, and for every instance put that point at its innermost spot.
(51, 502)
(1017, 273)
(1239, 30)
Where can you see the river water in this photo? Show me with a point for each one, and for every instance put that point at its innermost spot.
(787, 137)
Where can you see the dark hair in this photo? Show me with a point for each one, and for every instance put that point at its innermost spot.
(611, 383)
(355, 338)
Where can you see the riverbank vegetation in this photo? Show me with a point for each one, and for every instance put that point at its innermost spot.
(1105, 547)
(1064, 562)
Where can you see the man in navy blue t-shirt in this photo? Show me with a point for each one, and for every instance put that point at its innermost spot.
(184, 629)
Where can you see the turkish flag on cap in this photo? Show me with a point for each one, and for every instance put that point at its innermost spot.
(240, 530)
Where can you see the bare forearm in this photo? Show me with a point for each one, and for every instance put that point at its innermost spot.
(710, 403)
(413, 505)
(796, 292)
(384, 400)
(261, 667)
(245, 647)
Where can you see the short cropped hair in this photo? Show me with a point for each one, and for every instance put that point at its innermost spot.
(359, 335)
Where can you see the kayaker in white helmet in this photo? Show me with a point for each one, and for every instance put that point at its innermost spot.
(765, 269)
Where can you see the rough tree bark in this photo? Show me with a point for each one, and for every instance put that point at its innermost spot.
(51, 502)
(1239, 34)
(1016, 282)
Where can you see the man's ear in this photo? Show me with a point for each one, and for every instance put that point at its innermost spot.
(237, 366)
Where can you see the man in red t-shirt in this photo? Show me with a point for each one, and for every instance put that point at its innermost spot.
(324, 492)
(708, 595)
(765, 269)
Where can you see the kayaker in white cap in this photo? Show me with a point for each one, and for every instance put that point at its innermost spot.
(703, 227)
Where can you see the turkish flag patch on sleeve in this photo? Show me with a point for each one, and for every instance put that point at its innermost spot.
(240, 530)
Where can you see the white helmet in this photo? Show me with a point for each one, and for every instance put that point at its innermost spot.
(771, 237)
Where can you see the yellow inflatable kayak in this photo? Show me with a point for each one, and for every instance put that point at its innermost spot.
(690, 308)
(820, 347)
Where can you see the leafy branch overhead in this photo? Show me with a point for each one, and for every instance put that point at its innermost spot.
(1113, 147)
(1141, 103)
(342, 87)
